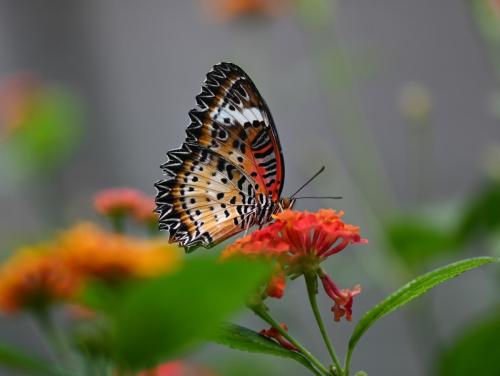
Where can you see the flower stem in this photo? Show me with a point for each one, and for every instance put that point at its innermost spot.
(261, 311)
(312, 290)
(58, 344)
(347, 362)
(118, 223)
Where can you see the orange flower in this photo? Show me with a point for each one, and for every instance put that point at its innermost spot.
(226, 10)
(177, 368)
(93, 253)
(316, 235)
(299, 242)
(57, 271)
(276, 285)
(263, 244)
(254, 244)
(276, 335)
(33, 279)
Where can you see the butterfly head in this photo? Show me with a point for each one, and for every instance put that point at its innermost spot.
(287, 203)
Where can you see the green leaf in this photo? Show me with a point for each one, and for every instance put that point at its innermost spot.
(16, 360)
(481, 216)
(418, 240)
(153, 320)
(240, 338)
(412, 290)
(475, 352)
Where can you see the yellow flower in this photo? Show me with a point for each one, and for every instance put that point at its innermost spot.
(33, 279)
(93, 253)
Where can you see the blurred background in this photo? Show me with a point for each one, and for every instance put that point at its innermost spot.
(399, 100)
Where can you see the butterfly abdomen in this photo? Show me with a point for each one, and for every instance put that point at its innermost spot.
(264, 209)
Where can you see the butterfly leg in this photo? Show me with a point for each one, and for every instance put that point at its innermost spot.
(247, 227)
(281, 207)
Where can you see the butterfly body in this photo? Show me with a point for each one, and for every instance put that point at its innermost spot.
(228, 174)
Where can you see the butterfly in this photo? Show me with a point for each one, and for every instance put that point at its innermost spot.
(228, 174)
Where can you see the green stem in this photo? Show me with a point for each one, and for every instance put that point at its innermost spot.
(261, 311)
(118, 223)
(153, 229)
(312, 290)
(57, 343)
(347, 362)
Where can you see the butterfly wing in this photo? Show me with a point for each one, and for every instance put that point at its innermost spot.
(230, 161)
(206, 199)
(234, 120)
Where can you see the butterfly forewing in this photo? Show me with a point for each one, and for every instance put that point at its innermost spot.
(235, 121)
(229, 166)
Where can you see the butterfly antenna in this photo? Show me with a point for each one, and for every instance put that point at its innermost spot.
(310, 180)
(320, 197)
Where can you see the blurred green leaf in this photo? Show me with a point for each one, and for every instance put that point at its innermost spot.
(342, 71)
(16, 360)
(421, 238)
(481, 217)
(412, 290)
(157, 319)
(418, 240)
(244, 364)
(241, 338)
(494, 244)
(315, 13)
(488, 19)
(53, 129)
(47, 137)
(92, 340)
(475, 352)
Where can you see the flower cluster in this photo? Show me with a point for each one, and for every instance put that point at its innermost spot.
(33, 278)
(119, 203)
(91, 252)
(58, 270)
(299, 242)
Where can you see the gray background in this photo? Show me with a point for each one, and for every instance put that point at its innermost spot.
(138, 66)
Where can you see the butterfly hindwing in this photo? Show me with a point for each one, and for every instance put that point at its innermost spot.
(205, 200)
